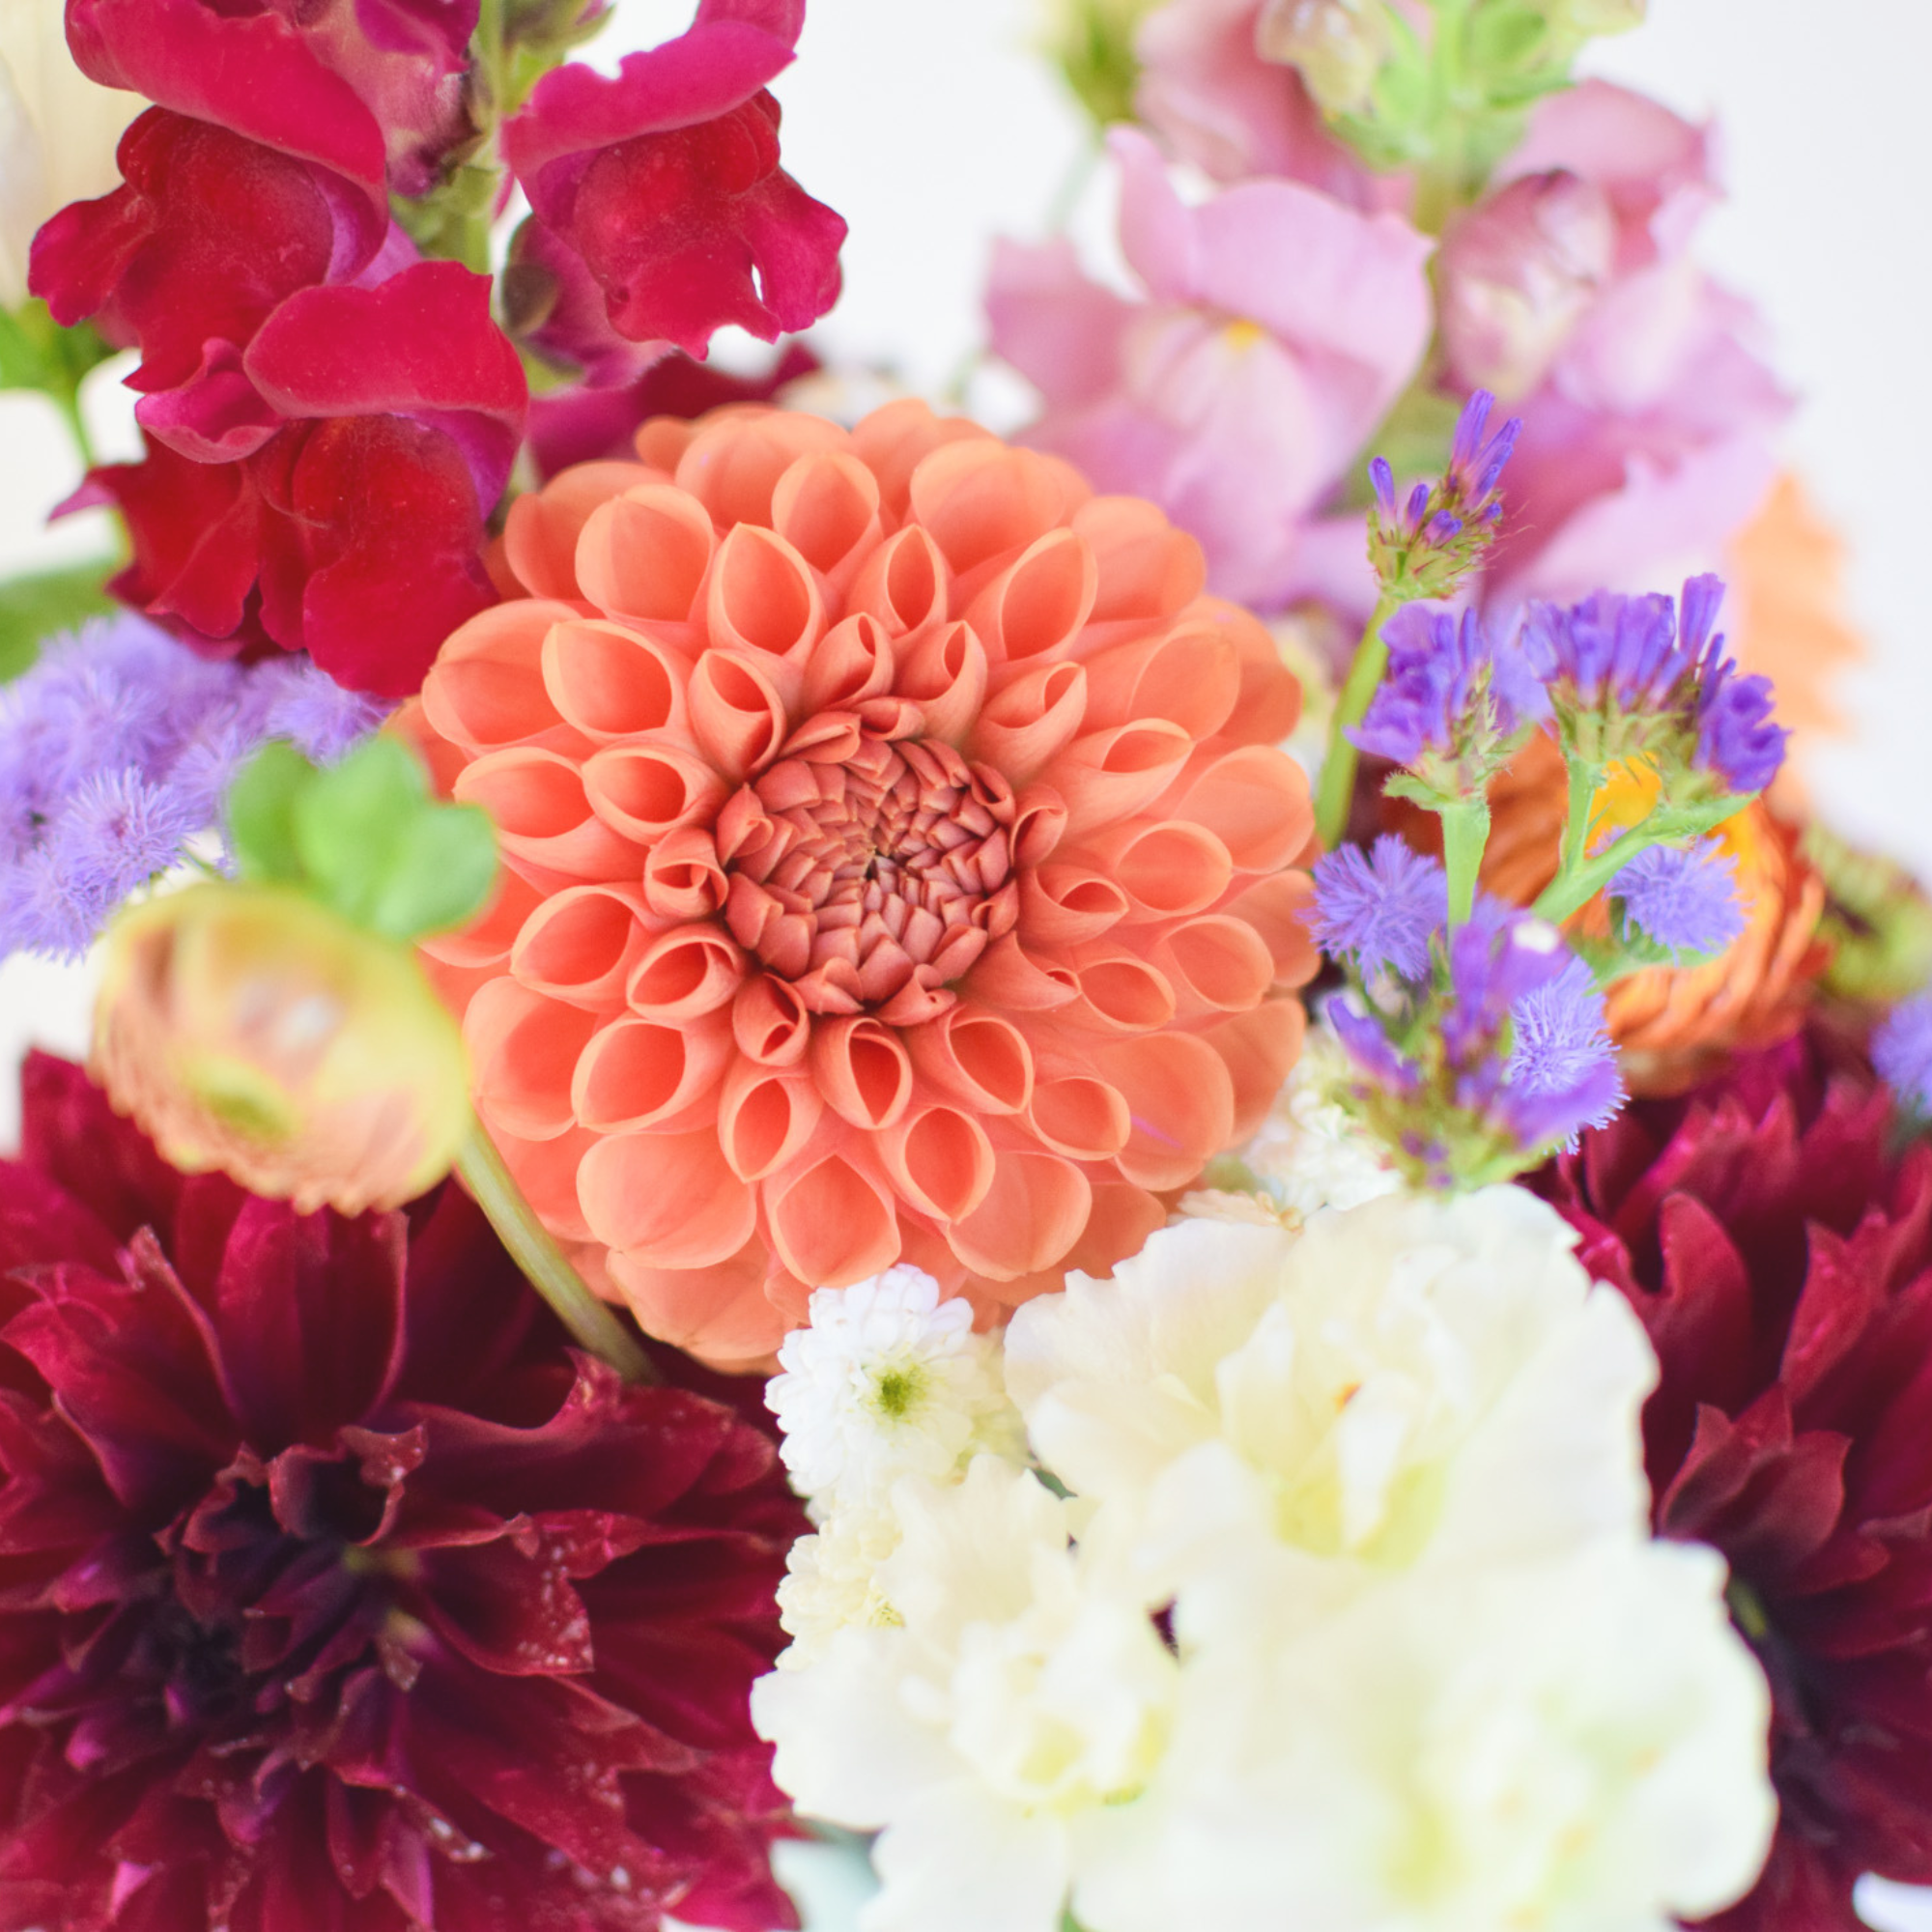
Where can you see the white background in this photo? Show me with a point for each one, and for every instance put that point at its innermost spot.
(931, 126)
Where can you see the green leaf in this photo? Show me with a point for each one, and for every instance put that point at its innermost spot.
(440, 872)
(36, 352)
(36, 607)
(363, 838)
(260, 810)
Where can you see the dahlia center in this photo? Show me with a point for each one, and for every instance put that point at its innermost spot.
(870, 873)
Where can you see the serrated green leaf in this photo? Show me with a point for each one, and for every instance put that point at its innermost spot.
(349, 821)
(440, 872)
(261, 813)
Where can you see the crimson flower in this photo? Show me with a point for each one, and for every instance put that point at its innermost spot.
(335, 1594)
(666, 181)
(388, 418)
(1780, 1258)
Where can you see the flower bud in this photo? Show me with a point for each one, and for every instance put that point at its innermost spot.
(250, 1029)
(1518, 274)
(1339, 46)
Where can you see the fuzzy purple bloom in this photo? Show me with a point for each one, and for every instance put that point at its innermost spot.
(115, 751)
(1562, 1074)
(1450, 693)
(1379, 908)
(1684, 898)
(1901, 1050)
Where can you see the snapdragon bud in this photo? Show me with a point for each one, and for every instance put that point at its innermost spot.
(1339, 46)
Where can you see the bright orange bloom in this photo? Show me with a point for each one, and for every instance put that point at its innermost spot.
(896, 846)
(1675, 1023)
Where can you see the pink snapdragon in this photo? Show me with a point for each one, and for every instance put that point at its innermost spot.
(1570, 291)
(1277, 328)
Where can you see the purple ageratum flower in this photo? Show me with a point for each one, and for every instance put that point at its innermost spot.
(1684, 898)
(1451, 697)
(1901, 1050)
(1562, 1075)
(1378, 909)
(115, 750)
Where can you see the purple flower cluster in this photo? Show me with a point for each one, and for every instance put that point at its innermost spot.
(1901, 1050)
(1378, 909)
(1682, 897)
(1452, 703)
(1494, 1048)
(1423, 547)
(1626, 676)
(115, 751)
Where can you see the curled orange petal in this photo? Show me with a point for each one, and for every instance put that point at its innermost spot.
(1257, 1049)
(1037, 605)
(1032, 1213)
(545, 813)
(1148, 569)
(765, 1117)
(684, 973)
(578, 946)
(1110, 775)
(736, 459)
(826, 505)
(522, 1055)
(832, 1225)
(761, 595)
(644, 555)
(940, 1161)
(1217, 963)
(667, 1201)
(863, 1071)
(486, 688)
(1181, 1098)
(981, 498)
(1255, 800)
(641, 1073)
(541, 532)
(643, 791)
(609, 681)
(944, 669)
(1166, 869)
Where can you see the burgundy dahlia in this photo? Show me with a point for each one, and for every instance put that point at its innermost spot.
(335, 1594)
(1779, 1252)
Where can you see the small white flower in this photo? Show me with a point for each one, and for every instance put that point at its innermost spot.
(889, 1380)
(1013, 1697)
(832, 1580)
(1310, 1153)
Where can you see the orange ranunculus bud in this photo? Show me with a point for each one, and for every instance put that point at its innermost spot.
(250, 1029)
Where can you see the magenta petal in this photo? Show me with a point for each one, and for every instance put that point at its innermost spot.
(217, 416)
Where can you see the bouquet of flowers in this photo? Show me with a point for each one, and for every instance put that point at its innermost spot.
(1151, 1166)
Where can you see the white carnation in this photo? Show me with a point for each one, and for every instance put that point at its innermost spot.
(1010, 1698)
(889, 1380)
(1573, 1746)
(1311, 1152)
(1410, 1378)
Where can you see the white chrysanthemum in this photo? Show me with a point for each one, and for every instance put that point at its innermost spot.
(1311, 1152)
(1573, 1746)
(832, 1580)
(1413, 1378)
(1015, 1700)
(889, 1380)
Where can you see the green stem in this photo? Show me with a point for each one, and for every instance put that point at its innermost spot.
(534, 1251)
(1585, 776)
(1465, 832)
(1337, 762)
(68, 400)
(1578, 886)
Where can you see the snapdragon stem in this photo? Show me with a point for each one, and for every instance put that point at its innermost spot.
(1338, 763)
(533, 1250)
(1466, 832)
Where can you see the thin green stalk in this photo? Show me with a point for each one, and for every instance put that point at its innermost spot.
(1338, 763)
(1578, 886)
(1466, 832)
(549, 1269)
(68, 400)
(1585, 776)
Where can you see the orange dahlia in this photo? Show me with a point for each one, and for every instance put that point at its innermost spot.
(895, 849)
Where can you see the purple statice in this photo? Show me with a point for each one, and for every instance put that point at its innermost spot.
(1425, 545)
(115, 750)
(1684, 898)
(1380, 909)
(1452, 705)
(1901, 1050)
(1629, 678)
(1487, 1064)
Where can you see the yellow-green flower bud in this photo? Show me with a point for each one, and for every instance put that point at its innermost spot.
(252, 1029)
(1339, 46)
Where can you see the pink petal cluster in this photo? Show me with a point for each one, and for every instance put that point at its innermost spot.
(661, 187)
(1278, 327)
(328, 420)
(895, 846)
(1571, 293)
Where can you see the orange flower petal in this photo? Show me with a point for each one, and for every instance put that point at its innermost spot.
(1062, 904)
(761, 595)
(770, 1022)
(904, 583)
(765, 1117)
(1254, 801)
(1257, 1049)
(641, 1073)
(1037, 605)
(1167, 869)
(827, 507)
(944, 669)
(1107, 775)
(1217, 963)
(721, 1314)
(1024, 726)
(691, 970)
(1192, 677)
(644, 555)
(1278, 908)
(486, 688)
(578, 946)
(893, 440)
(541, 532)
(939, 1160)
(1080, 1117)
(665, 1201)
(643, 791)
(833, 1226)
(734, 462)
(1181, 1098)
(863, 1071)
(523, 1053)
(610, 682)
(1148, 569)
(544, 814)
(1119, 991)
(546, 1173)
(977, 1058)
(738, 715)
(1032, 1213)
(853, 660)
(981, 498)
